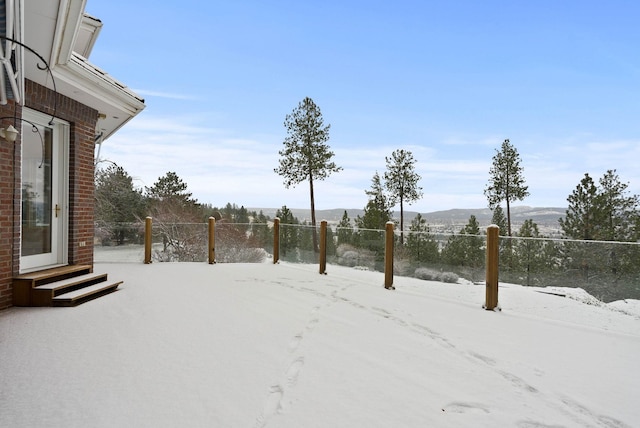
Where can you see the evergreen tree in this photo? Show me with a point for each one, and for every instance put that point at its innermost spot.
(175, 213)
(466, 248)
(401, 181)
(171, 201)
(581, 218)
(306, 156)
(421, 245)
(305, 240)
(288, 233)
(331, 242)
(505, 245)
(377, 213)
(345, 230)
(530, 252)
(242, 216)
(499, 219)
(619, 211)
(229, 212)
(117, 202)
(506, 181)
(261, 231)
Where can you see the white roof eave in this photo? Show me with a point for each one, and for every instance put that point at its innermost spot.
(80, 80)
(74, 76)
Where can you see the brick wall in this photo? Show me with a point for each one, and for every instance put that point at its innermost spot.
(82, 120)
(9, 209)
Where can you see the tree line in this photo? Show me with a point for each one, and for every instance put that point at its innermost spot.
(604, 212)
(597, 211)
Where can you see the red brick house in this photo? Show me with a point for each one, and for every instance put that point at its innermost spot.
(61, 106)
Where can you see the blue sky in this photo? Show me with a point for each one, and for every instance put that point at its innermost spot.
(447, 80)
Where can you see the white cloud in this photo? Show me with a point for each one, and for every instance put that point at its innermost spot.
(160, 94)
(223, 166)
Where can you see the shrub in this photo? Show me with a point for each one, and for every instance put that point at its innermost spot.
(350, 256)
(449, 277)
(427, 274)
(434, 275)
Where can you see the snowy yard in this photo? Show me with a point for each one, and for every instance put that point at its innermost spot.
(262, 345)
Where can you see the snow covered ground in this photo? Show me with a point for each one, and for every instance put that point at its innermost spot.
(263, 345)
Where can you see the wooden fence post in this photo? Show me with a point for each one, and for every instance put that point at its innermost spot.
(147, 240)
(212, 240)
(491, 301)
(276, 240)
(323, 247)
(388, 256)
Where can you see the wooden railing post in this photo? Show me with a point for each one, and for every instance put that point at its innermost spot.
(147, 240)
(491, 301)
(212, 240)
(323, 247)
(388, 256)
(276, 240)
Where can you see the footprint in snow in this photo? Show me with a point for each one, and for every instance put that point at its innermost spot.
(294, 370)
(464, 407)
(295, 342)
(272, 406)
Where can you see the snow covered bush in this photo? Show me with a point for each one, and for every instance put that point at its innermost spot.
(427, 274)
(434, 275)
(449, 277)
(351, 256)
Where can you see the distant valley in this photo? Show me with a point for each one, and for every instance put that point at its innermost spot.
(445, 221)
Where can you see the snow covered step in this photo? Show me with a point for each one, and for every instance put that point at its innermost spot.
(85, 294)
(71, 284)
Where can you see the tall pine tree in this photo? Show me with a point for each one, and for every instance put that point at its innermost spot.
(401, 180)
(506, 180)
(306, 156)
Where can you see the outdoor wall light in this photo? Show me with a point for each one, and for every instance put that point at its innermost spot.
(9, 133)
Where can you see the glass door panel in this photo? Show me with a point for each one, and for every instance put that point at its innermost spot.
(44, 195)
(37, 186)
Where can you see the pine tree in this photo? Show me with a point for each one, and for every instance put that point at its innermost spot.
(242, 215)
(401, 181)
(117, 202)
(175, 211)
(288, 234)
(345, 230)
(465, 249)
(261, 231)
(499, 219)
(377, 213)
(581, 218)
(306, 156)
(605, 212)
(421, 244)
(619, 210)
(506, 181)
(530, 251)
(171, 201)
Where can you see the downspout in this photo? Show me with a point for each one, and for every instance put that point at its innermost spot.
(98, 139)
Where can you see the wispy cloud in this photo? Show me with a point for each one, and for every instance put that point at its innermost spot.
(160, 94)
(223, 166)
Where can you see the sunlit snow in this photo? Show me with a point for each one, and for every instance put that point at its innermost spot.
(263, 345)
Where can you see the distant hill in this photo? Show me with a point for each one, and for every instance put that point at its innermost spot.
(444, 221)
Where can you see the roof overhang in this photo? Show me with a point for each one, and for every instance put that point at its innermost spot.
(57, 29)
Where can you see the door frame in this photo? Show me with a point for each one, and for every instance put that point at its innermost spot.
(60, 191)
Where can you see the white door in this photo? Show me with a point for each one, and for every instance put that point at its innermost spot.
(44, 236)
